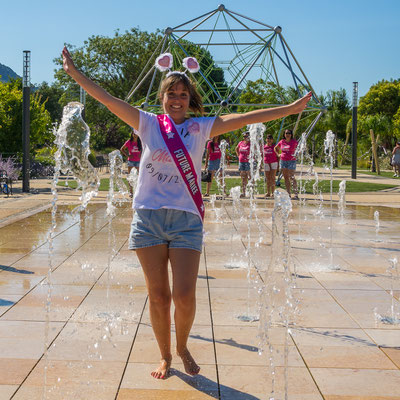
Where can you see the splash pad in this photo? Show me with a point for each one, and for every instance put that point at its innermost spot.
(99, 343)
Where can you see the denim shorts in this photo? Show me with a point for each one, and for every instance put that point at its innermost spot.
(244, 166)
(288, 164)
(133, 164)
(213, 165)
(175, 228)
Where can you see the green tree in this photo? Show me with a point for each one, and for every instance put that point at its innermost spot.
(11, 120)
(115, 63)
(382, 98)
(396, 125)
(380, 107)
(213, 73)
(338, 112)
(51, 95)
(379, 123)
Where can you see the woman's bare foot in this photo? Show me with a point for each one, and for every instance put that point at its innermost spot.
(190, 365)
(163, 370)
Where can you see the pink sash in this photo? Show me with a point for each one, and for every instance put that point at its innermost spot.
(182, 160)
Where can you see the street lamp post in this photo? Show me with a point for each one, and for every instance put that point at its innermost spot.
(26, 93)
(354, 133)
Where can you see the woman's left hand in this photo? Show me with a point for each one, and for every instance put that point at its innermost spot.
(299, 105)
(68, 64)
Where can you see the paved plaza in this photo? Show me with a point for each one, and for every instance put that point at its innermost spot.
(92, 310)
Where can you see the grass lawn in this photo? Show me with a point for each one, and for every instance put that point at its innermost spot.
(232, 182)
(384, 174)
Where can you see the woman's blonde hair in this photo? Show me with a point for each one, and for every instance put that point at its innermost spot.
(196, 102)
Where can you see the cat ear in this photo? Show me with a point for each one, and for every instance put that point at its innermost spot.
(164, 62)
(191, 64)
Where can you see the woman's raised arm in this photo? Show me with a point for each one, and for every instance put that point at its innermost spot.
(232, 122)
(120, 108)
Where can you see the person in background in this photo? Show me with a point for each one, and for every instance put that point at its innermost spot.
(243, 153)
(288, 146)
(396, 160)
(270, 165)
(213, 160)
(134, 147)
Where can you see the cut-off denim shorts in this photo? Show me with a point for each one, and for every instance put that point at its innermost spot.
(213, 165)
(289, 164)
(133, 164)
(175, 228)
(244, 166)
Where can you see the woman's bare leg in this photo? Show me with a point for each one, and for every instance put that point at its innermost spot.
(130, 187)
(266, 182)
(243, 175)
(271, 179)
(293, 180)
(209, 183)
(154, 261)
(286, 176)
(185, 267)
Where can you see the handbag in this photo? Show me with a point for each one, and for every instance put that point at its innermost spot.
(206, 176)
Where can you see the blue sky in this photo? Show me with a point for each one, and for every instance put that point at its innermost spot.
(336, 43)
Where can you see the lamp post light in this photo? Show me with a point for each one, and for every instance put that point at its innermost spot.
(354, 132)
(26, 93)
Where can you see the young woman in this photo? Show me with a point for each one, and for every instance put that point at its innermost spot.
(270, 165)
(167, 225)
(134, 147)
(243, 153)
(396, 160)
(288, 147)
(213, 160)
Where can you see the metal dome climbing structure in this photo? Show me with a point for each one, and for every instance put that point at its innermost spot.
(237, 55)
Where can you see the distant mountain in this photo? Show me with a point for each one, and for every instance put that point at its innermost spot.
(6, 73)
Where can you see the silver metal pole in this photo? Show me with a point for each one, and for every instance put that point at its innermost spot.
(251, 19)
(251, 66)
(201, 22)
(137, 84)
(298, 65)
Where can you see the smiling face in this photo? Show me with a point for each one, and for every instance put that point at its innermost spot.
(288, 136)
(176, 101)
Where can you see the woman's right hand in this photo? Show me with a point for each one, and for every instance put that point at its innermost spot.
(68, 64)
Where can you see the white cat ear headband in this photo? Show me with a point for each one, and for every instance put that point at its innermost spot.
(164, 63)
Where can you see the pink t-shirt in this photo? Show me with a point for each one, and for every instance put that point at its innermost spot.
(134, 152)
(288, 149)
(213, 155)
(244, 151)
(269, 154)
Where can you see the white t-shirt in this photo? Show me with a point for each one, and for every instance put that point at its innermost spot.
(160, 184)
